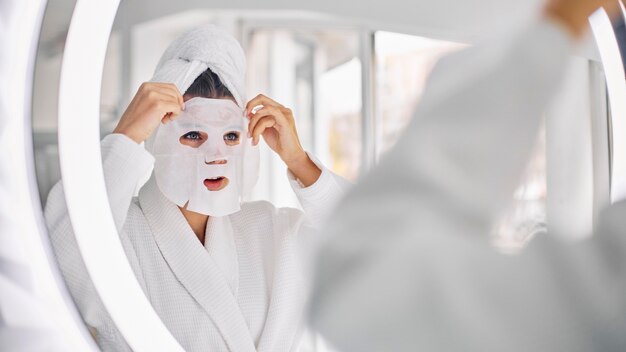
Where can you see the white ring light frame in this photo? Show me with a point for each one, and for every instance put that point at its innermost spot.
(616, 87)
(48, 286)
(85, 191)
(83, 181)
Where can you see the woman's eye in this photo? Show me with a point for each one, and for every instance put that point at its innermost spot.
(193, 139)
(194, 136)
(231, 137)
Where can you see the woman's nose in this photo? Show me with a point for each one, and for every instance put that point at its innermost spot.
(216, 162)
(216, 156)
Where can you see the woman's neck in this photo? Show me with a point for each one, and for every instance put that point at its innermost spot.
(196, 221)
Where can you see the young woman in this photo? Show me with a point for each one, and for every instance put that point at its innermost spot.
(222, 275)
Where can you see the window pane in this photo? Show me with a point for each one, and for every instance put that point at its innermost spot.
(317, 73)
(403, 64)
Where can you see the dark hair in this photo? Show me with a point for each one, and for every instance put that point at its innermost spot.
(208, 85)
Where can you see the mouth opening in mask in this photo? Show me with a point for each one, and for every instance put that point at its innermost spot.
(216, 183)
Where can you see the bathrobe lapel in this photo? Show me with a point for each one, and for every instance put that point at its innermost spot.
(194, 267)
(287, 298)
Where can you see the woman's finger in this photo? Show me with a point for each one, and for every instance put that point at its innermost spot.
(267, 111)
(167, 89)
(265, 123)
(260, 100)
(169, 109)
(166, 119)
(261, 113)
(172, 90)
(157, 95)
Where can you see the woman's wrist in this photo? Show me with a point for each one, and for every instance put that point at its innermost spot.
(303, 168)
(134, 136)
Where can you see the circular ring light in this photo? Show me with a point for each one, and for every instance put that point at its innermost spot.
(50, 308)
(84, 185)
(616, 86)
(85, 192)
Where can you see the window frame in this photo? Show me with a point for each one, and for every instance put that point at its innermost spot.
(366, 56)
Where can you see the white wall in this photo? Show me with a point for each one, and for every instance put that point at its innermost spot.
(446, 19)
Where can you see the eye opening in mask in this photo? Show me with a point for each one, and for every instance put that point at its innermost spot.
(232, 138)
(193, 139)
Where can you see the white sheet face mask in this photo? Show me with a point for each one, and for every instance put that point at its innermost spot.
(200, 156)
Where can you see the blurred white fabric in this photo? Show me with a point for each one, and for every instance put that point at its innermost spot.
(408, 266)
(25, 321)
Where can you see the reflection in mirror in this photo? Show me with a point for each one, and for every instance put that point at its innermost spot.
(223, 273)
(219, 273)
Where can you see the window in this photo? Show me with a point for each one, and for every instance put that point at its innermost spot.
(317, 73)
(403, 64)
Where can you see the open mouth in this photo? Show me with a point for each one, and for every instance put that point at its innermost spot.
(216, 183)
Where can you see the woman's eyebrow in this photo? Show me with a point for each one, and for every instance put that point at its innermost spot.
(235, 127)
(190, 126)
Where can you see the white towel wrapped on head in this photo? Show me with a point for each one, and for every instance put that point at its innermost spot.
(203, 47)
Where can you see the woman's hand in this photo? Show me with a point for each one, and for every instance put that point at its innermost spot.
(276, 124)
(573, 14)
(154, 103)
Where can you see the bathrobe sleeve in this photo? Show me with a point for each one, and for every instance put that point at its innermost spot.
(319, 199)
(408, 266)
(124, 163)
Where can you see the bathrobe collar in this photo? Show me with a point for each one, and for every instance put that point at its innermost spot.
(287, 298)
(194, 267)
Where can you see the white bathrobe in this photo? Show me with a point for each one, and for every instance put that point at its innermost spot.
(418, 273)
(246, 294)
